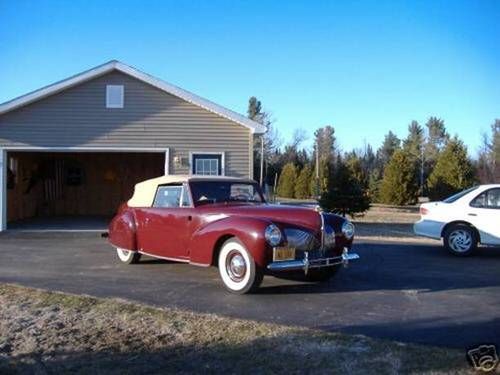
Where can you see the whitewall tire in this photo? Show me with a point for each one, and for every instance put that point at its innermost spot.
(127, 256)
(237, 268)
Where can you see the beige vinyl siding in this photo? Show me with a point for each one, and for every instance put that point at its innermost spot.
(151, 118)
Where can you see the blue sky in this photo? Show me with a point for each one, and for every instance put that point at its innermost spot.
(365, 67)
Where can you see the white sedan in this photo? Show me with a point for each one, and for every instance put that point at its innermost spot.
(463, 220)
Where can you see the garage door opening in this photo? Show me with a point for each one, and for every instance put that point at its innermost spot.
(73, 191)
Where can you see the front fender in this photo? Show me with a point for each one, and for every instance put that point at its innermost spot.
(248, 230)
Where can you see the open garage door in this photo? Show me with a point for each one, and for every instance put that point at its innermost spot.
(73, 190)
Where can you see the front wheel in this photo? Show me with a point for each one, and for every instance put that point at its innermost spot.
(127, 256)
(460, 240)
(237, 268)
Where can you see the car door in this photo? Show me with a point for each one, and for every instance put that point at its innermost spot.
(164, 229)
(484, 213)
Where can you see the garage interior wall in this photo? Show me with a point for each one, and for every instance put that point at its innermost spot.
(74, 184)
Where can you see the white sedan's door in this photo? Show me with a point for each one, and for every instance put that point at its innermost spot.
(484, 213)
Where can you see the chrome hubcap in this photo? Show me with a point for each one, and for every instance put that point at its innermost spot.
(235, 266)
(460, 240)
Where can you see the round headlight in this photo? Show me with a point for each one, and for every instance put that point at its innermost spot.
(348, 229)
(273, 235)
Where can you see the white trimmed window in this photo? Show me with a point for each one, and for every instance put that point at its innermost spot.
(114, 96)
(210, 164)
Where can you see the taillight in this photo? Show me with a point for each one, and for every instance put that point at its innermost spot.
(423, 211)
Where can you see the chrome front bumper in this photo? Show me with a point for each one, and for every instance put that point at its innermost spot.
(306, 263)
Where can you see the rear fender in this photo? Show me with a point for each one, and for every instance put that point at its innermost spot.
(249, 231)
(123, 229)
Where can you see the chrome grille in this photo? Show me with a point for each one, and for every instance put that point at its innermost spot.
(300, 239)
(329, 235)
(322, 230)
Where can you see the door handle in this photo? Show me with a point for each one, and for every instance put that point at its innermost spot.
(190, 218)
(472, 214)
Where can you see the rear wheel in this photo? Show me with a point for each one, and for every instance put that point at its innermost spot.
(321, 274)
(237, 268)
(127, 256)
(460, 240)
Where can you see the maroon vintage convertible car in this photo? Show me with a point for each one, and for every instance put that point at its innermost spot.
(226, 222)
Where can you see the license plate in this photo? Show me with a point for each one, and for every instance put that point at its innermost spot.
(284, 253)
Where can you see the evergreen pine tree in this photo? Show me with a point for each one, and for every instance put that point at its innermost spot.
(345, 194)
(413, 145)
(254, 110)
(437, 137)
(374, 183)
(355, 165)
(414, 141)
(303, 185)
(314, 189)
(287, 180)
(391, 144)
(398, 184)
(453, 171)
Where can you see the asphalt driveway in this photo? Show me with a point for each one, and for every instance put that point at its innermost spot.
(403, 291)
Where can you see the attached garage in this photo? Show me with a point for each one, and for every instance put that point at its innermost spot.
(77, 148)
(65, 185)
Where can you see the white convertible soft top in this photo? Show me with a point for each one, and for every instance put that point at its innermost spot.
(144, 192)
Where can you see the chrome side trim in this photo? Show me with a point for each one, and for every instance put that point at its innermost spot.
(200, 264)
(166, 258)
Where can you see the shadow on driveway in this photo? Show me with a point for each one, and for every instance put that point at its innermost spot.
(393, 266)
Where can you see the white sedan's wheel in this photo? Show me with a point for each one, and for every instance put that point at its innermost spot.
(127, 256)
(460, 240)
(237, 269)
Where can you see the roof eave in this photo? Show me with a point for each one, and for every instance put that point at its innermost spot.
(254, 127)
(56, 87)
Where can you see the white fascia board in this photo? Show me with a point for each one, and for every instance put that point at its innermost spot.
(254, 126)
(56, 87)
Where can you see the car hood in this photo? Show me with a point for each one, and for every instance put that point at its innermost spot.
(277, 213)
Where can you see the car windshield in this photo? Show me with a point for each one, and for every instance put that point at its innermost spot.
(457, 196)
(205, 192)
